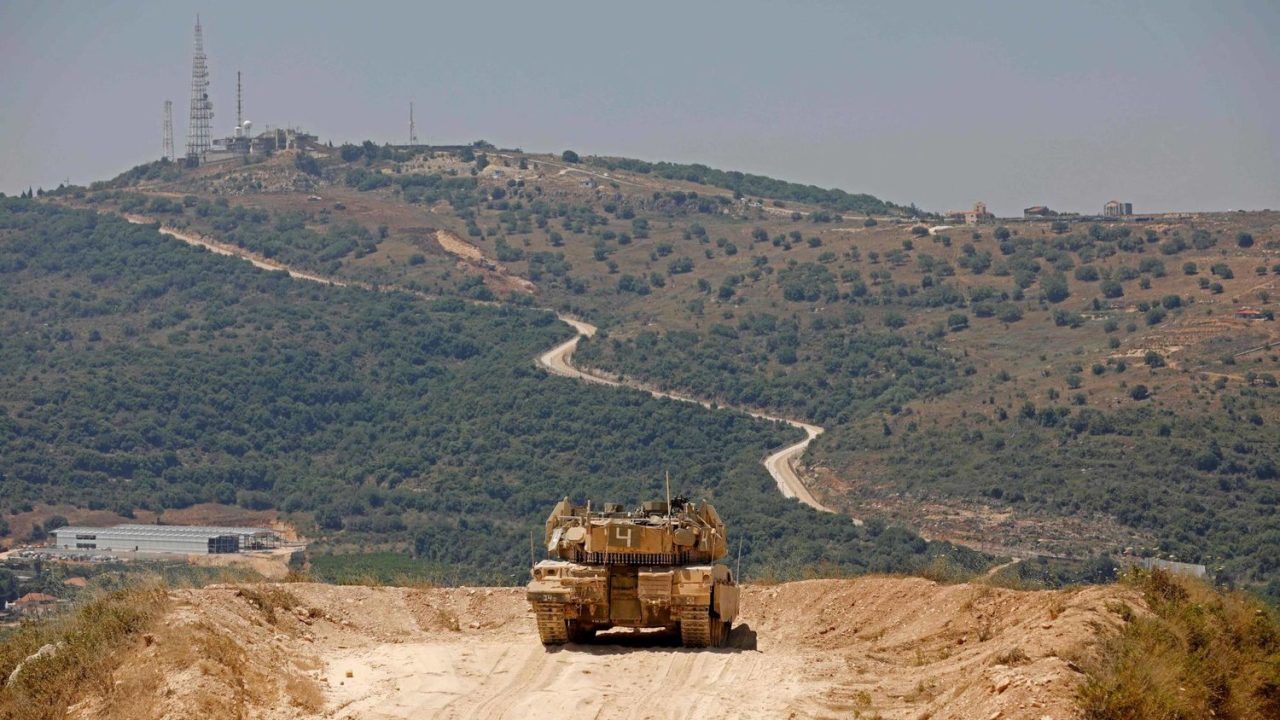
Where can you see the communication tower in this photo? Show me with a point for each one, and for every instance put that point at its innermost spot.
(201, 106)
(239, 109)
(413, 131)
(168, 130)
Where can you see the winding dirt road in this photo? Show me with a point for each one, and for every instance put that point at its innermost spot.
(781, 464)
(557, 361)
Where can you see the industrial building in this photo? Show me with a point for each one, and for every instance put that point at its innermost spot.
(175, 539)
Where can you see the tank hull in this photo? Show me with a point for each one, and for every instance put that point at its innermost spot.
(572, 601)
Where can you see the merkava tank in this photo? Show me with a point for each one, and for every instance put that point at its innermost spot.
(653, 567)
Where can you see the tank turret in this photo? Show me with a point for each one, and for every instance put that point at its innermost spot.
(649, 567)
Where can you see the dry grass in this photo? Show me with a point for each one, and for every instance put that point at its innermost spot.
(305, 693)
(87, 643)
(1013, 656)
(269, 599)
(1199, 654)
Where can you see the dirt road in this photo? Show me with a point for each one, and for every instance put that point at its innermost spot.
(780, 464)
(897, 648)
(558, 361)
(235, 251)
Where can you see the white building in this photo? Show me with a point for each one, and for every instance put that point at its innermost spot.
(175, 539)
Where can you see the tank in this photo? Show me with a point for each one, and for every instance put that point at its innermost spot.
(651, 567)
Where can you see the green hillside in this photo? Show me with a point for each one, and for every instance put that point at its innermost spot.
(144, 374)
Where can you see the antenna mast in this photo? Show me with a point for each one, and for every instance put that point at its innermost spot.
(239, 113)
(668, 497)
(168, 131)
(201, 106)
(413, 130)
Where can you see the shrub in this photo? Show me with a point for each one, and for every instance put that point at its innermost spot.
(1199, 653)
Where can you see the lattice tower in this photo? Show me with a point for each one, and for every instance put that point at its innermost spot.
(201, 105)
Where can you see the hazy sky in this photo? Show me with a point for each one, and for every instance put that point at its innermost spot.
(1166, 104)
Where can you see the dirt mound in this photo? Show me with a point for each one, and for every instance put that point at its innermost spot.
(897, 647)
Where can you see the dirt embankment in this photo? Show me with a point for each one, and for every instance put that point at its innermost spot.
(897, 647)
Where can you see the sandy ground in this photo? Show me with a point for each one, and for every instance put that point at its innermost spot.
(896, 647)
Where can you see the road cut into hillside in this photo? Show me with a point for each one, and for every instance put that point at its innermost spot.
(780, 464)
(880, 646)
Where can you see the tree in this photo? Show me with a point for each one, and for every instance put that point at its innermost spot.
(1058, 227)
(1087, 273)
(919, 231)
(1112, 289)
(1244, 240)
(1054, 286)
(1153, 359)
(1139, 392)
(1002, 233)
(307, 164)
(570, 156)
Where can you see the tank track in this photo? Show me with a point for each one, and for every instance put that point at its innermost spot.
(699, 629)
(552, 628)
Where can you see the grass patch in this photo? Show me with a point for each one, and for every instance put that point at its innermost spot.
(1200, 653)
(84, 645)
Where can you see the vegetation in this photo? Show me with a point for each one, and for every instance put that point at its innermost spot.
(83, 646)
(146, 374)
(1198, 653)
(746, 184)
(1203, 486)
(993, 346)
(847, 374)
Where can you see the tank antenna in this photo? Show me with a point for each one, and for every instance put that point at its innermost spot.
(532, 561)
(668, 497)
(737, 572)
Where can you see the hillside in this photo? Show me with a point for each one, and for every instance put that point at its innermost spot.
(871, 647)
(406, 437)
(1142, 417)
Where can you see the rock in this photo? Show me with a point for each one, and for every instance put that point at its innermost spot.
(49, 649)
(1002, 684)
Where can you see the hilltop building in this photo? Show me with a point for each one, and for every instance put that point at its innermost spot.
(1115, 208)
(1038, 211)
(976, 216)
(242, 143)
